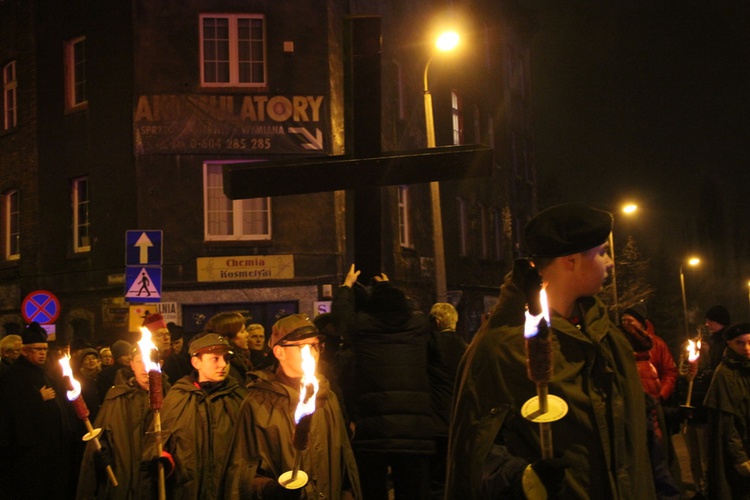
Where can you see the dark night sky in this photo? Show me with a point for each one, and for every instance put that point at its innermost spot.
(650, 101)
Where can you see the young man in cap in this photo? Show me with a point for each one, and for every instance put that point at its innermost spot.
(124, 418)
(728, 401)
(262, 446)
(35, 430)
(198, 418)
(494, 452)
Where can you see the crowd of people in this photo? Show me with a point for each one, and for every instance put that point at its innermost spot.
(403, 406)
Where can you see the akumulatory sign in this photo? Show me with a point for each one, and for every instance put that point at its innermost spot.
(256, 124)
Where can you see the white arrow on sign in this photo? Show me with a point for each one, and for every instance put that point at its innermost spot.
(315, 142)
(144, 243)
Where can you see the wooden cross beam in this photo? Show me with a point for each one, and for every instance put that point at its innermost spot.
(366, 169)
(319, 174)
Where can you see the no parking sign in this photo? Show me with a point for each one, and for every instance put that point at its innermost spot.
(40, 306)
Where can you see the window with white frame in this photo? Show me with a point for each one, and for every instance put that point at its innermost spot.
(457, 111)
(404, 227)
(233, 50)
(225, 219)
(75, 72)
(12, 225)
(463, 227)
(10, 88)
(81, 220)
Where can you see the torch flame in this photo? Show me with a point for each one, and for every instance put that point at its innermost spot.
(308, 385)
(531, 327)
(147, 348)
(694, 350)
(68, 372)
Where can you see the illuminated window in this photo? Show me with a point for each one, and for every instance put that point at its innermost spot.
(75, 73)
(10, 87)
(226, 219)
(12, 224)
(404, 228)
(233, 50)
(457, 111)
(81, 220)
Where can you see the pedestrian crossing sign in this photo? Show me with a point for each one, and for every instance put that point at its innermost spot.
(143, 284)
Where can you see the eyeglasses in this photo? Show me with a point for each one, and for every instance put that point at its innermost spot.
(317, 346)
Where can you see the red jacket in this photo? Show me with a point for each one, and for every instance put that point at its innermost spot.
(661, 358)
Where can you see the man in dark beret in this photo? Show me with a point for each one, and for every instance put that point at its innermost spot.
(601, 443)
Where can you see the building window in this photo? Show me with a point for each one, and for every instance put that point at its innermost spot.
(75, 72)
(463, 227)
(233, 50)
(484, 228)
(404, 228)
(81, 220)
(497, 224)
(12, 223)
(458, 117)
(226, 219)
(10, 87)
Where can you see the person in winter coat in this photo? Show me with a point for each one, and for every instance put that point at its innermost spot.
(262, 445)
(728, 403)
(124, 418)
(493, 451)
(198, 417)
(36, 431)
(391, 407)
(445, 348)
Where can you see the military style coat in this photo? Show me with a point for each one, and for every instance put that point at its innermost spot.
(603, 434)
(262, 447)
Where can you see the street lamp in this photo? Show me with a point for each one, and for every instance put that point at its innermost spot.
(693, 261)
(627, 209)
(445, 42)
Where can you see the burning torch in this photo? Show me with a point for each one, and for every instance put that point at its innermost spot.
(297, 478)
(156, 397)
(82, 411)
(543, 408)
(694, 353)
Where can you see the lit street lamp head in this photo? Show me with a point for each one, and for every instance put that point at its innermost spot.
(447, 41)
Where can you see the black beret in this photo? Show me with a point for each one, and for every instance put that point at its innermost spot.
(719, 314)
(566, 229)
(736, 330)
(34, 334)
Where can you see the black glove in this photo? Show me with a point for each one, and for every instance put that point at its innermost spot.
(276, 491)
(551, 472)
(152, 466)
(527, 280)
(103, 457)
(686, 413)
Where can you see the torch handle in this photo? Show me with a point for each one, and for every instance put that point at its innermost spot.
(159, 449)
(545, 440)
(690, 391)
(98, 446)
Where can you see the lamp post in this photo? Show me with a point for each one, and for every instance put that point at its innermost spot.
(748, 292)
(446, 41)
(693, 261)
(626, 209)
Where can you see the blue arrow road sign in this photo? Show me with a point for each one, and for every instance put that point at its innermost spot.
(143, 248)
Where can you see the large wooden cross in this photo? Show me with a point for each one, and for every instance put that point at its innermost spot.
(365, 169)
